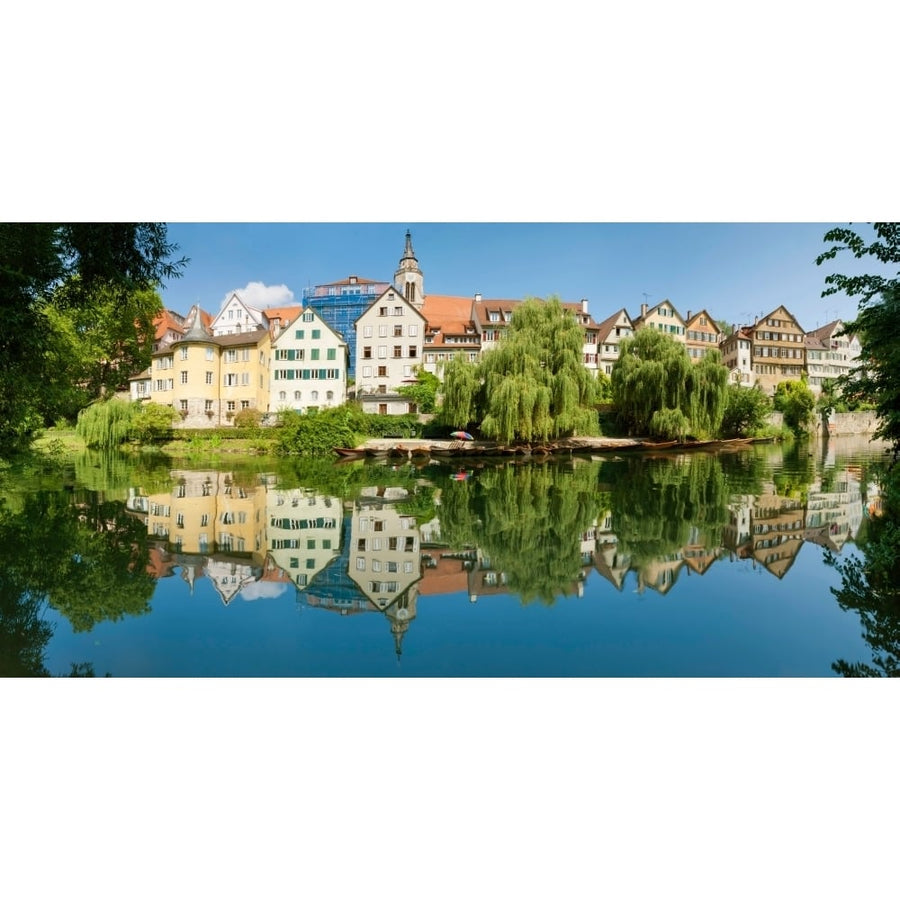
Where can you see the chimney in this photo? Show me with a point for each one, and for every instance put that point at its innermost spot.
(643, 310)
(477, 297)
(689, 315)
(584, 308)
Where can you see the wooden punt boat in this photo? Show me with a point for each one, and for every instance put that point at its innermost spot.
(350, 452)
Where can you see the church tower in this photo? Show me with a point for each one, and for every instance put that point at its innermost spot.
(409, 279)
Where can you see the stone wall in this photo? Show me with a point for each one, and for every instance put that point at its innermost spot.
(850, 423)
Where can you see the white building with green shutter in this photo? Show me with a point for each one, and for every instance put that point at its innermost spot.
(309, 365)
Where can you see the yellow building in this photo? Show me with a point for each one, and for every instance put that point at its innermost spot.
(703, 335)
(209, 379)
(779, 349)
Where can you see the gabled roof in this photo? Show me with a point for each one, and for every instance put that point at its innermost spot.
(641, 319)
(318, 320)
(827, 332)
(256, 315)
(607, 325)
(783, 309)
(282, 315)
(141, 376)
(449, 315)
(709, 320)
(397, 296)
(166, 321)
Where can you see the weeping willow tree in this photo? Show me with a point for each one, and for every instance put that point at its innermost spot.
(659, 508)
(106, 424)
(528, 521)
(533, 386)
(654, 380)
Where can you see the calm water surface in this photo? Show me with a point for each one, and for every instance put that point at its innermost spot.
(693, 565)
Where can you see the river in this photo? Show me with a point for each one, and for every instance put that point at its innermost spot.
(698, 564)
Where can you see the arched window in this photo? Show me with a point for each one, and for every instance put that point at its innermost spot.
(315, 395)
(330, 395)
(296, 395)
(282, 395)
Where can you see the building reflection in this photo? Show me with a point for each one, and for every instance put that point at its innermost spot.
(253, 540)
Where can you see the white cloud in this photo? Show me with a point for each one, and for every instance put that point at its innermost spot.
(261, 296)
(263, 590)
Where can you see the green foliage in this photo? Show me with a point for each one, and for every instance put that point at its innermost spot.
(746, 411)
(314, 434)
(670, 424)
(153, 423)
(107, 423)
(654, 373)
(796, 402)
(35, 260)
(870, 586)
(248, 418)
(523, 519)
(97, 343)
(531, 386)
(877, 377)
(424, 392)
(659, 507)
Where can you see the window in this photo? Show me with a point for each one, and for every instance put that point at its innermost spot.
(184, 377)
(382, 409)
(245, 378)
(208, 406)
(413, 330)
(184, 352)
(412, 351)
(282, 395)
(382, 310)
(367, 371)
(314, 353)
(367, 352)
(184, 408)
(230, 406)
(209, 353)
(296, 395)
(398, 352)
(367, 331)
(398, 331)
(231, 380)
(329, 395)
(382, 352)
(316, 333)
(245, 404)
(331, 353)
(314, 396)
(308, 317)
(299, 334)
(382, 331)
(209, 377)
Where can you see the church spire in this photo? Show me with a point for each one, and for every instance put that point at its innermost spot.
(409, 280)
(408, 252)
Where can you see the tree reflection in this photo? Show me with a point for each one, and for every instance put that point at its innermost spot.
(870, 586)
(527, 521)
(84, 555)
(660, 506)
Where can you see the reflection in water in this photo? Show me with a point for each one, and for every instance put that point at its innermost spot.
(870, 584)
(373, 539)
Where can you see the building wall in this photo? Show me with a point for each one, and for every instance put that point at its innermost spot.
(390, 337)
(779, 352)
(309, 366)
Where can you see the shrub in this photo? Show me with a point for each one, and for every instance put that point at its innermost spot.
(746, 411)
(153, 423)
(796, 402)
(248, 418)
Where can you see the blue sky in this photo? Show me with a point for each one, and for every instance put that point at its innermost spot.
(735, 271)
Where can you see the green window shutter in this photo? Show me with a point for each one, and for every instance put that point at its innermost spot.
(316, 333)
(331, 352)
(322, 374)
